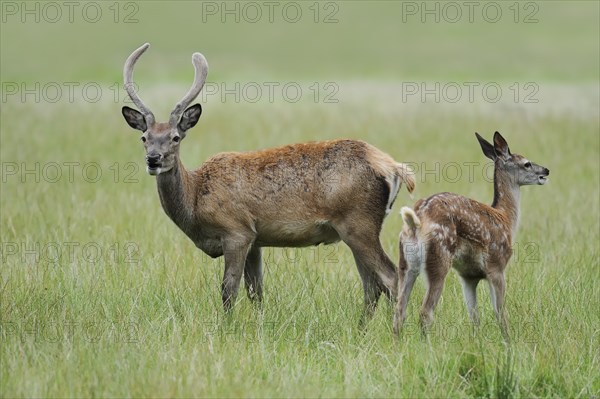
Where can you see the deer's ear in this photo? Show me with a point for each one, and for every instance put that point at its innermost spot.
(486, 147)
(189, 118)
(134, 118)
(501, 146)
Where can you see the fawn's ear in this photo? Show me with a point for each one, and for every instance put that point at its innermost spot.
(189, 118)
(486, 147)
(134, 118)
(501, 146)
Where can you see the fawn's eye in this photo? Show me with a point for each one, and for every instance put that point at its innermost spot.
(528, 165)
(176, 139)
(143, 139)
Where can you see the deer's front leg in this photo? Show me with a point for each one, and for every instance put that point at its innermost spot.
(253, 275)
(235, 251)
(497, 292)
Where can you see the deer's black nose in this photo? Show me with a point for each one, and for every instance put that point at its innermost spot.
(153, 159)
(547, 171)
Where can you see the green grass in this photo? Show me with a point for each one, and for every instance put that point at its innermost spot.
(144, 318)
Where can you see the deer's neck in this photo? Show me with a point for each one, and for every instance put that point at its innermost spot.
(176, 196)
(507, 196)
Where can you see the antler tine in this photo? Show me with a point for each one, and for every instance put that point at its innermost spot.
(129, 85)
(201, 70)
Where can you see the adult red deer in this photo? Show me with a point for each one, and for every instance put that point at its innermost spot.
(292, 196)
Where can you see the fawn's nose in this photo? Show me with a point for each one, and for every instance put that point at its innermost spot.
(547, 171)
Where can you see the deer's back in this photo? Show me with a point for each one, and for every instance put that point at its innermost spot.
(291, 195)
(472, 232)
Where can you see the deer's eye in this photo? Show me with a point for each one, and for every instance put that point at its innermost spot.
(176, 139)
(143, 139)
(528, 165)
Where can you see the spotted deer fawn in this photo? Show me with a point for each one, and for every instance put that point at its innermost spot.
(292, 196)
(447, 230)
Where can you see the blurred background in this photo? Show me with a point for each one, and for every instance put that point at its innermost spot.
(377, 40)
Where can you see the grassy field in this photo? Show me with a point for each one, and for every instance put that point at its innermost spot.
(101, 295)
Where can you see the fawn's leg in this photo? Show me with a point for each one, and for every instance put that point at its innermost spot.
(469, 286)
(407, 275)
(497, 291)
(437, 265)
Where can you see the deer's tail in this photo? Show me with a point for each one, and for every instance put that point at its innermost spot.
(411, 220)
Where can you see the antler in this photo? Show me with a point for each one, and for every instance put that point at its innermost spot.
(129, 85)
(201, 70)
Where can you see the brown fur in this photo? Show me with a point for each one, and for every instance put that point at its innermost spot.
(292, 196)
(447, 230)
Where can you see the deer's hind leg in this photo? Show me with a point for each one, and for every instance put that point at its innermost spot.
(437, 264)
(408, 270)
(469, 286)
(376, 269)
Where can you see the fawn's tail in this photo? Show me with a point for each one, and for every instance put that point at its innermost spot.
(410, 219)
